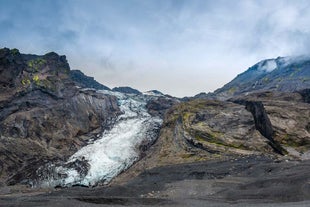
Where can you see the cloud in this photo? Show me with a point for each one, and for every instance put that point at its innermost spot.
(177, 46)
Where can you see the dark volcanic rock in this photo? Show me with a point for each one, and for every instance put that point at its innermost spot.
(305, 95)
(11, 65)
(43, 115)
(262, 122)
(126, 89)
(84, 81)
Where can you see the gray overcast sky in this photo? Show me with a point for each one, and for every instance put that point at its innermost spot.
(180, 47)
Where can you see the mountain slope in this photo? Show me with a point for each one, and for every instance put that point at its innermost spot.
(281, 74)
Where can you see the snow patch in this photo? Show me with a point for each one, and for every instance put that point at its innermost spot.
(267, 65)
(152, 93)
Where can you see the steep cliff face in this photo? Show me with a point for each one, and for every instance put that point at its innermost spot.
(43, 115)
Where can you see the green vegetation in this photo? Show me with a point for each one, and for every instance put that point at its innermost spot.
(214, 139)
(36, 79)
(232, 90)
(279, 79)
(290, 141)
(36, 64)
(15, 51)
(187, 155)
(25, 81)
(266, 80)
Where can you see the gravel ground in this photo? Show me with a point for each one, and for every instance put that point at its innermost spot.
(249, 181)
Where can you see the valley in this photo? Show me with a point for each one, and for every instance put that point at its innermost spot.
(67, 140)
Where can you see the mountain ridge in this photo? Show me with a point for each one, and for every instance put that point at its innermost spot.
(285, 74)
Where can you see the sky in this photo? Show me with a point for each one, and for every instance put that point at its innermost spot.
(180, 47)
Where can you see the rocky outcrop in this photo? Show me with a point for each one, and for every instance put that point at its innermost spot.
(262, 123)
(289, 117)
(43, 115)
(305, 95)
(159, 106)
(84, 81)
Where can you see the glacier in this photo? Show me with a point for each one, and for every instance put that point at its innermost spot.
(115, 151)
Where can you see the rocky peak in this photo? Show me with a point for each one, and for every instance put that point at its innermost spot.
(85, 81)
(26, 72)
(126, 89)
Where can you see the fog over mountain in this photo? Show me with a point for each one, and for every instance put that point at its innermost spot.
(175, 46)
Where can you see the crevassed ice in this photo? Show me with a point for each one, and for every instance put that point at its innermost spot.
(116, 150)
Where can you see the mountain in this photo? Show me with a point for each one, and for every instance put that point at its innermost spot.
(285, 74)
(83, 81)
(249, 145)
(126, 89)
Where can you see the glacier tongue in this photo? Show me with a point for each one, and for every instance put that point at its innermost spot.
(114, 152)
